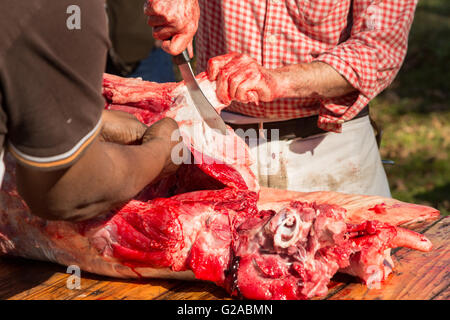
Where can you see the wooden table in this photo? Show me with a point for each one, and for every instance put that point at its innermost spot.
(417, 275)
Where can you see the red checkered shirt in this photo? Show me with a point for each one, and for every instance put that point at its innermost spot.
(364, 40)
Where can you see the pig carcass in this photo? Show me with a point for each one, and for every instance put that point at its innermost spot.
(211, 221)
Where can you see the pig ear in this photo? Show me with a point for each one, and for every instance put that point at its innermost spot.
(364, 208)
(359, 208)
(395, 212)
(410, 239)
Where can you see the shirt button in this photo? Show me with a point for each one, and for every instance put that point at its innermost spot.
(271, 38)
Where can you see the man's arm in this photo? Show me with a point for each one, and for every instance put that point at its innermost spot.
(106, 175)
(241, 78)
(176, 22)
(316, 79)
(365, 63)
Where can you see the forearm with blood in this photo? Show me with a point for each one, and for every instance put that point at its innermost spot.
(315, 80)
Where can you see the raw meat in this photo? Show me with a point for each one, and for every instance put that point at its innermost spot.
(211, 221)
(214, 153)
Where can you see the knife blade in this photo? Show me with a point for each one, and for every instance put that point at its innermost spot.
(201, 102)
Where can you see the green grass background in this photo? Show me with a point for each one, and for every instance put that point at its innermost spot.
(415, 112)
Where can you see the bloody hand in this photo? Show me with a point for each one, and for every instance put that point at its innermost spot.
(241, 78)
(175, 22)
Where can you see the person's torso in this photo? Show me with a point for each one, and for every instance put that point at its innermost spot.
(52, 56)
(276, 33)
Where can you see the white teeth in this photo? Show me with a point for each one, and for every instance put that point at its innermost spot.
(287, 231)
(281, 219)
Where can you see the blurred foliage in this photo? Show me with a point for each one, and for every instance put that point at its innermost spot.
(415, 112)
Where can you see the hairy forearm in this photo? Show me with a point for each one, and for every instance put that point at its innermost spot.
(106, 176)
(316, 79)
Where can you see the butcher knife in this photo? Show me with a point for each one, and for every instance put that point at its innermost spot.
(201, 102)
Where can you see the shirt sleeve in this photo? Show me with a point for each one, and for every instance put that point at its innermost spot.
(51, 78)
(370, 58)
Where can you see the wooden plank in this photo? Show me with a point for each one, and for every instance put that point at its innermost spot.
(21, 276)
(54, 291)
(195, 290)
(93, 289)
(418, 275)
(128, 290)
(422, 226)
(53, 287)
(443, 295)
(22, 279)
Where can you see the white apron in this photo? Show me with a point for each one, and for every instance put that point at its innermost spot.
(347, 162)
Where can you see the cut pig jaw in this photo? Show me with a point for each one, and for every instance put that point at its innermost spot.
(296, 252)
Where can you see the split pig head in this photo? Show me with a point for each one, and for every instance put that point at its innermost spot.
(294, 253)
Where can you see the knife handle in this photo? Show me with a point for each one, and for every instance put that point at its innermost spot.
(182, 58)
